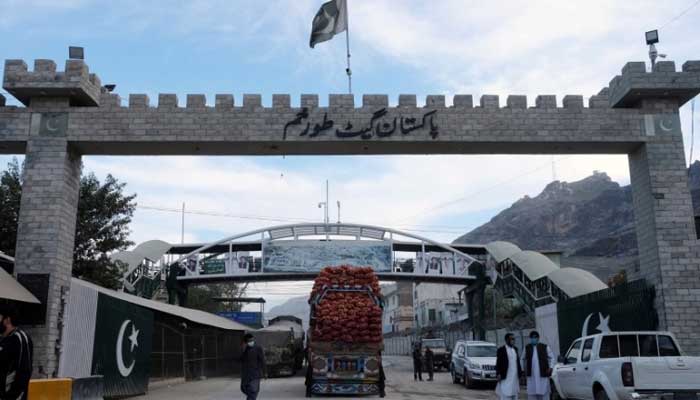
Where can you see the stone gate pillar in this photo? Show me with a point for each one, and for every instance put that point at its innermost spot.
(669, 254)
(47, 218)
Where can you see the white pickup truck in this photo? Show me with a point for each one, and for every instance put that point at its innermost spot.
(627, 366)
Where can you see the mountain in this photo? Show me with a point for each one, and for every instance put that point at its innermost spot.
(592, 217)
(296, 306)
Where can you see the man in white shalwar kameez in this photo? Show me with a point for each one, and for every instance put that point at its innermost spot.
(508, 370)
(537, 361)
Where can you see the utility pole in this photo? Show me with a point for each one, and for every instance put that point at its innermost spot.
(338, 211)
(182, 225)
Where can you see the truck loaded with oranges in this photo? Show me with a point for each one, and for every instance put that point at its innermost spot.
(345, 333)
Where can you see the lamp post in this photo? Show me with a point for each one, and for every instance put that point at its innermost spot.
(652, 37)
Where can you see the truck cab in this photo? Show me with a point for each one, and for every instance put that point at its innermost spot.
(627, 366)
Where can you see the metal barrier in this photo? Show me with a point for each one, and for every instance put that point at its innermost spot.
(50, 389)
(90, 388)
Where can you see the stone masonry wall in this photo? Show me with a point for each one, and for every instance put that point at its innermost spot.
(69, 113)
(46, 232)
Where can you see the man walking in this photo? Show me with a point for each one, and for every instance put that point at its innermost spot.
(508, 370)
(429, 362)
(417, 366)
(16, 354)
(537, 360)
(252, 367)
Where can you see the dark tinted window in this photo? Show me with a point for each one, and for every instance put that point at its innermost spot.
(628, 346)
(609, 348)
(572, 355)
(647, 346)
(587, 347)
(460, 350)
(667, 348)
(481, 351)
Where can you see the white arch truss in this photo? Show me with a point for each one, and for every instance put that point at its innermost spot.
(356, 231)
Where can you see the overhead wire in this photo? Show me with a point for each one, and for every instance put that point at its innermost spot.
(677, 17)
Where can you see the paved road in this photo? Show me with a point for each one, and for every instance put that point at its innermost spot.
(399, 386)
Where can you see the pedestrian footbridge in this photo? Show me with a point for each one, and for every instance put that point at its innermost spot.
(298, 252)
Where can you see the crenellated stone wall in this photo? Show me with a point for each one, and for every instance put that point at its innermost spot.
(69, 114)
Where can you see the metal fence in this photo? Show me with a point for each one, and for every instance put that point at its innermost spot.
(193, 352)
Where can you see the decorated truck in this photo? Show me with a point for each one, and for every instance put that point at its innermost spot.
(345, 333)
(283, 342)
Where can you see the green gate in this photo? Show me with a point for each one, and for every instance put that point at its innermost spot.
(626, 307)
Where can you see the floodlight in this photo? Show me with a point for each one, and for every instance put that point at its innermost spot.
(652, 37)
(110, 87)
(76, 53)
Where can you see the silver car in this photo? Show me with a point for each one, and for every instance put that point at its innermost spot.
(473, 361)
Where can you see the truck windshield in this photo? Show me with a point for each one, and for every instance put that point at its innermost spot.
(434, 343)
(481, 351)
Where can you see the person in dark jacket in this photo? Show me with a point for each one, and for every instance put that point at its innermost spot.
(253, 367)
(508, 370)
(429, 362)
(16, 354)
(537, 360)
(417, 366)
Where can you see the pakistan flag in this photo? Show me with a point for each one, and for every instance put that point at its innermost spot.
(123, 333)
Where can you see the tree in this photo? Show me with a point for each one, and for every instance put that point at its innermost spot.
(102, 225)
(200, 296)
(10, 191)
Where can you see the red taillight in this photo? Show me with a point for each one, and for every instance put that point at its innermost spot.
(627, 374)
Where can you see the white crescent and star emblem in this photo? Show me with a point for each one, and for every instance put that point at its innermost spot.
(666, 124)
(49, 124)
(602, 325)
(133, 338)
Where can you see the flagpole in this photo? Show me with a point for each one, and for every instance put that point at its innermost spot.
(347, 47)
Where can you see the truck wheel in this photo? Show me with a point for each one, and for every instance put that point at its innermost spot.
(601, 395)
(468, 382)
(455, 378)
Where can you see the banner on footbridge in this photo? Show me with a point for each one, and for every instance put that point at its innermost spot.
(312, 255)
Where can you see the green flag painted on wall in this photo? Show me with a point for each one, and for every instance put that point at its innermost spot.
(123, 333)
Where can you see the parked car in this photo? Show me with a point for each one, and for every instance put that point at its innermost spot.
(441, 353)
(473, 361)
(627, 366)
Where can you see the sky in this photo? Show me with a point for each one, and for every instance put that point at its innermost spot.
(417, 47)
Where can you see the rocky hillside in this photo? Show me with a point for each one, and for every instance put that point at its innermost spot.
(591, 217)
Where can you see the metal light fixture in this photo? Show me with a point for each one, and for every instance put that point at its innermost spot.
(76, 53)
(110, 87)
(652, 37)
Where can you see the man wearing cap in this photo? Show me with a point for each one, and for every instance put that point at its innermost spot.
(16, 353)
(537, 361)
(252, 367)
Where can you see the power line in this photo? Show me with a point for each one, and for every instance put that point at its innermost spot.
(674, 19)
(446, 229)
(481, 191)
(219, 214)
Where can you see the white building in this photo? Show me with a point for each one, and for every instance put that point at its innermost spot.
(437, 304)
(398, 307)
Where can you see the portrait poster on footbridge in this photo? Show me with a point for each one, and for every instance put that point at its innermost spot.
(312, 255)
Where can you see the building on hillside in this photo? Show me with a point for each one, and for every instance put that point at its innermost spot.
(437, 304)
(398, 307)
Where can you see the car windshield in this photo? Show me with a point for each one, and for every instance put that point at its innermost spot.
(481, 351)
(434, 343)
